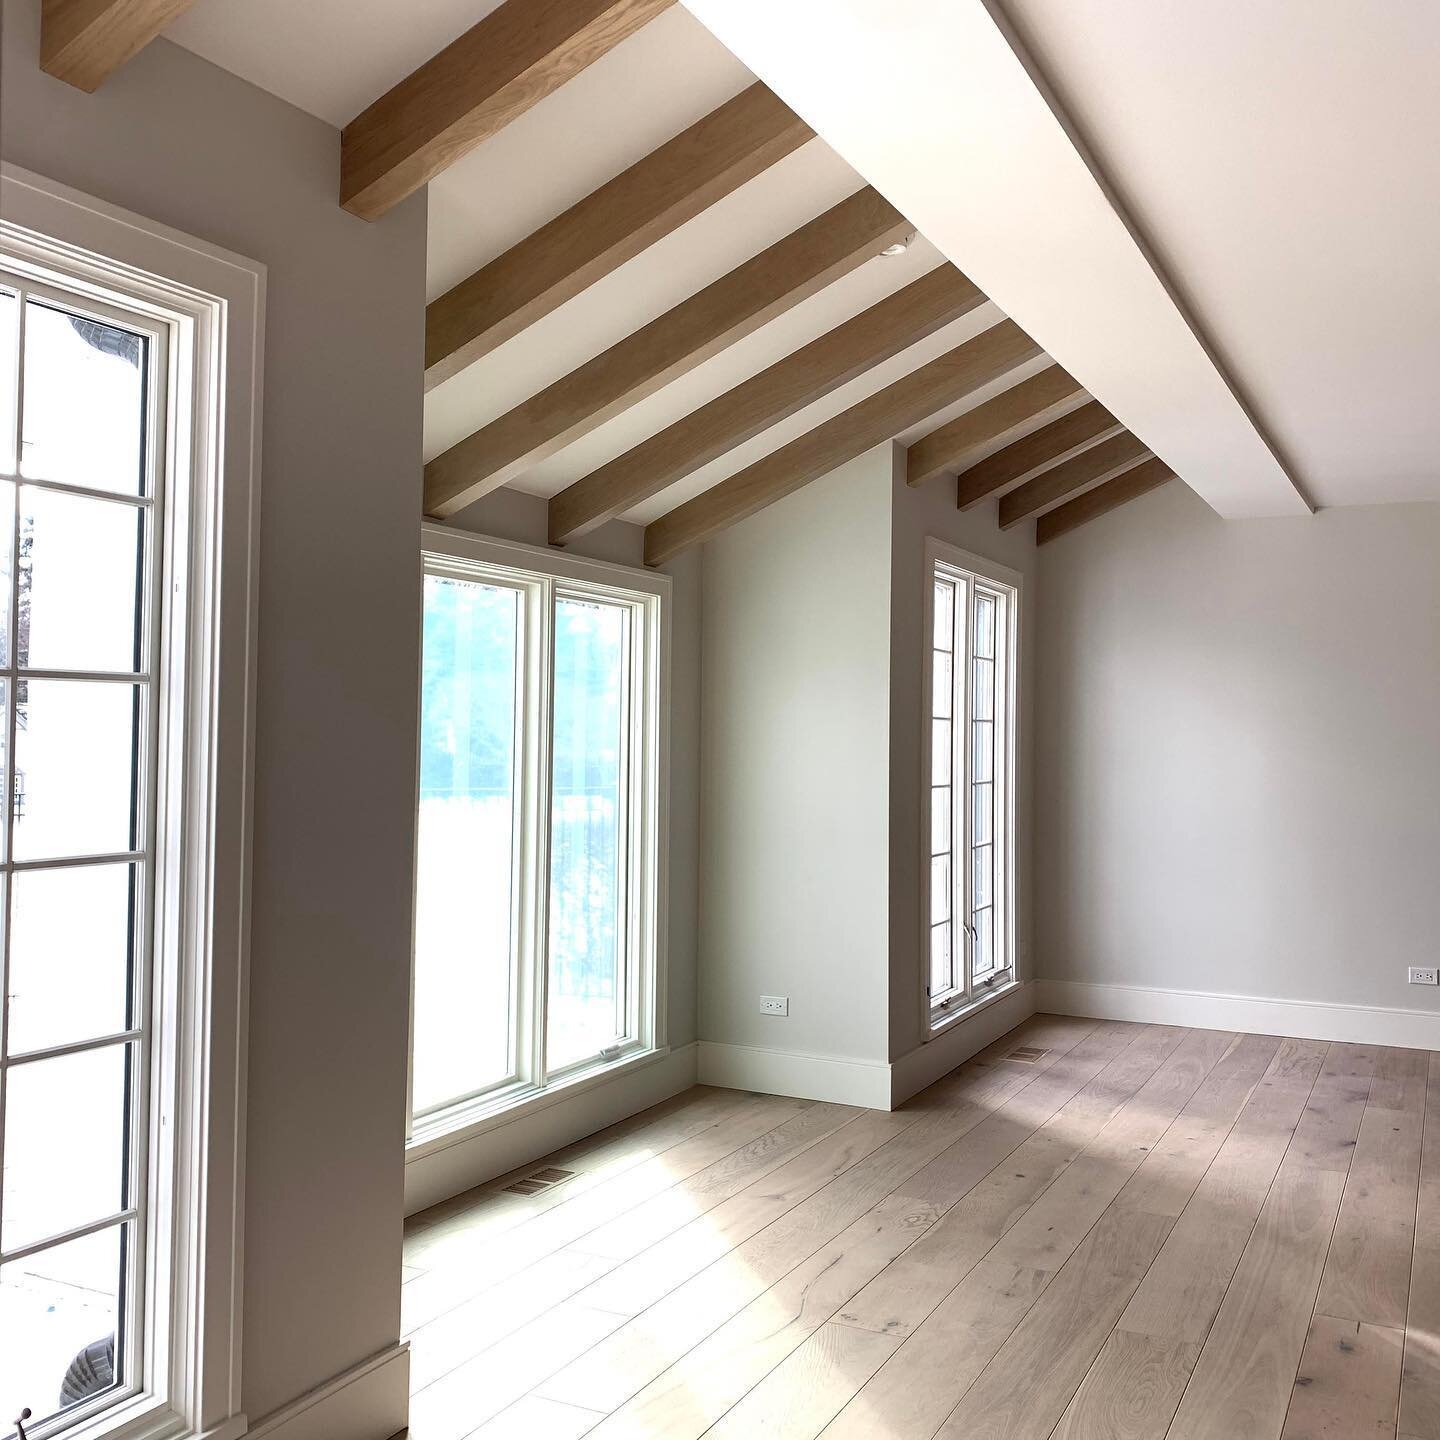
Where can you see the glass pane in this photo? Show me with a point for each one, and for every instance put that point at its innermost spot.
(940, 820)
(940, 971)
(943, 684)
(69, 954)
(984, 625)
(466, 841)
(984, 942)
(59, 1314)
(982, 803)
(81, 569)
(982, 864)
(587, 1002)
(75, 771)
(84, 401)
(9, 355)
(982, 701)
(939, 752)
(944, 615)
(65, 1122)
(7, 539)
(939, 889)
(982, 750)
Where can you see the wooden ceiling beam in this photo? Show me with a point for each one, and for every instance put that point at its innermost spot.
(802, 377)
(1101, 500)
(1101, 462)
(942, 450)
(868, 423)
(517, 55)
(737, 304)
(1047, 446)
(83, 41)
(611, 225)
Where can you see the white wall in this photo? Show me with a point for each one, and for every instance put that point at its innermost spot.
(921, 512)
(186, 144)
(1238, 783)
(795, 794)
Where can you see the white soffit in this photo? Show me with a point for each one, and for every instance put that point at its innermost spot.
(928, 100)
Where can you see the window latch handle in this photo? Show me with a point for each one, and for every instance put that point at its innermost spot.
(20, 1420)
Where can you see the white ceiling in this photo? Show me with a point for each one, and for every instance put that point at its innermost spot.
(1273, 155)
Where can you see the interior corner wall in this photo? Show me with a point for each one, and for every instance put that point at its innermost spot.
(794, 789)
(1238, 787)
(923, 512)
(181, 142)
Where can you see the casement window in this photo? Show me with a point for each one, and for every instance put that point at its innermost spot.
(972, 620)
(538, 864)
(123, 663)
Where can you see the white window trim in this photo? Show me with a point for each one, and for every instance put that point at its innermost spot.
(213, 304)
(934, 1020)
(459, 549)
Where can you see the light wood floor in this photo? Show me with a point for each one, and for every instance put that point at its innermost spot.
(1147, 1232)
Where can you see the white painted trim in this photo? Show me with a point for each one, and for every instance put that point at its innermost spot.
(1264, 1015)
(370, 1401)
(963, 1037)
(784, 1072)
(562, 1118)
(214, 305)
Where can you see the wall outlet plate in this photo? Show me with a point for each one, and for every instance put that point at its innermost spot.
(774, 1004)
(1424, 975)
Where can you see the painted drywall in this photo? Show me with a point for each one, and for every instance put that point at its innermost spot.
(925, 511)
(1237, 785)
(181, 142)
(794, 791)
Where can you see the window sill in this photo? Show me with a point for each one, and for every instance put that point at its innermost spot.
(942, 1021)
(439, 1132)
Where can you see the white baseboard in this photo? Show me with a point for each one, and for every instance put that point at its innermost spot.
(449, 1170)
(954, 1045)
(370, 1401)
(1304, 1019)
(785, 1072)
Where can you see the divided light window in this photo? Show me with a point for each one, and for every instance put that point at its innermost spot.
(970, 795)
(537, 884)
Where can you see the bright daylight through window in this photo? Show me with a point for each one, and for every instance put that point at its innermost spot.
(537, 873)
(79, 533)
(971, 793)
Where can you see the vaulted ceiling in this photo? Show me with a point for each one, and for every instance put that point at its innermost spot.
(655, 293)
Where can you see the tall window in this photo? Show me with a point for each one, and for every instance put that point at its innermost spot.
(122, 844)
(537, 870)
(970, 810)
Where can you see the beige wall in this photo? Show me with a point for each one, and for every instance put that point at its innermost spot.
(181, 142)
(1238, 787)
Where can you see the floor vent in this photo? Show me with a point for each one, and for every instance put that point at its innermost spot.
(545, 1179)
(1027, 1054)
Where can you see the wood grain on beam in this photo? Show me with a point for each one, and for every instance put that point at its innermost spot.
(1120, 452)
(1047, 446)
(611, 225)
(517, 55)
(751, 295)
(872, 421)
(82, 41)
(813, 371)
(943, 449)
(1104, 498)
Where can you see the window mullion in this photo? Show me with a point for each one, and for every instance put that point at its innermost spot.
(541, 720)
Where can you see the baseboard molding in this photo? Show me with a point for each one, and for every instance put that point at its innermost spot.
(954, 1045)
(1264, 1015)
(370, 1401)
(453, 1169)
(785, 1072)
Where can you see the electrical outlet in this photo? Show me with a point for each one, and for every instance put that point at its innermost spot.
(1423, 975)
(774, 1004)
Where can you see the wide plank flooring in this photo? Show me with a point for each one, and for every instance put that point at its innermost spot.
(1143, 1232)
